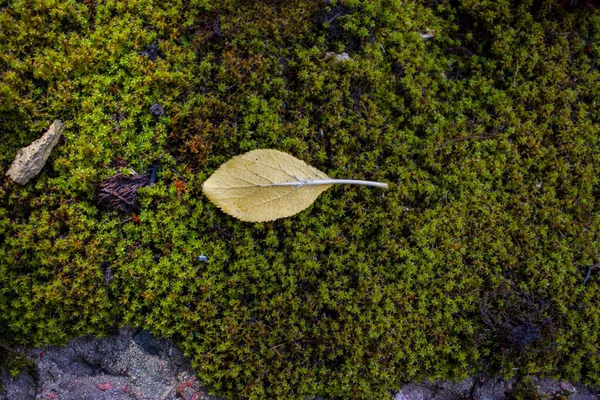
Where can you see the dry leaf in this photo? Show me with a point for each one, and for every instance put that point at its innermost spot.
(263, 185)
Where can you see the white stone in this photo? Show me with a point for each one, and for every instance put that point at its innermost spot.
(342, 57)
(31, 159)
(429, 34)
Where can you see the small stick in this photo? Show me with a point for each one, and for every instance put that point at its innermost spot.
(7, 348)
(469, 138)
(153, 176)
(177, 172)
(117, 195)
(588, 275)
(595, 266)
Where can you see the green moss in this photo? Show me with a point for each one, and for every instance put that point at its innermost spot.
(525, 389)
(487, 134)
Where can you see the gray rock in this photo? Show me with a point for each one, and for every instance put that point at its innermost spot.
(20, 388)
(551, 389)
(436, 390)
(31, 159)
(414, 391)
(157, 110)
(584, 393)
(129, 366)
(137, 365)
(488, 388)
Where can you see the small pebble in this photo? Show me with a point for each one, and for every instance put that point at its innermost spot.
(157, 110)
(151, 52)
(108, 275)
(284, 61)
(430, 34)
(343, 57)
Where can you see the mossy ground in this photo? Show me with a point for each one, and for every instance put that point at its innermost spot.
(473, 259)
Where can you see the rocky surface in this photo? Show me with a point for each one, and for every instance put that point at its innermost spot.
(487, 388)
(133, 365)
(31, 159)
(136, 365)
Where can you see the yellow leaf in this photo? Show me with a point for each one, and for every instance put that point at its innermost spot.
(263, 185)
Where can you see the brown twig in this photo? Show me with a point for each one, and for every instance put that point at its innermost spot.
(497, 131)
(7, 348)
(469, 138)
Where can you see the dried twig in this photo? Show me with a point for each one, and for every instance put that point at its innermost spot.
(496, 132)
(590, 269)
(469, 138)
(7, 348)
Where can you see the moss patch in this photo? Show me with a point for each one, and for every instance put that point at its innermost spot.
(487, 134)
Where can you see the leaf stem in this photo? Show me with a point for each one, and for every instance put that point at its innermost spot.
(329, 182)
